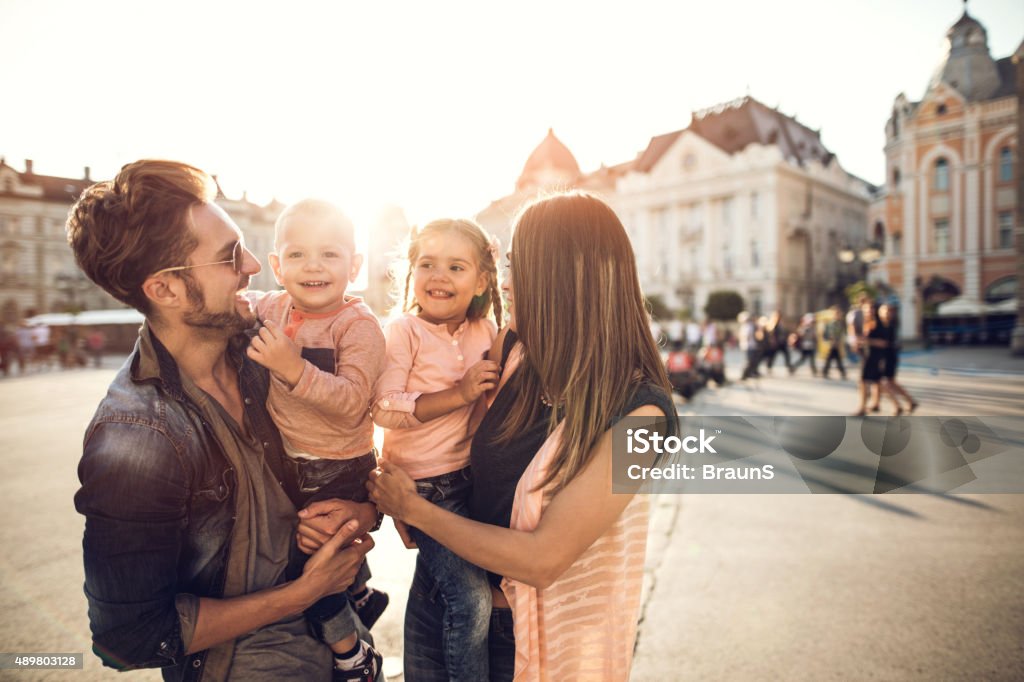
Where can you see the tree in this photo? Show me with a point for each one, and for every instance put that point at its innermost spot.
(724, 305)
(659, 311)
(854, 291)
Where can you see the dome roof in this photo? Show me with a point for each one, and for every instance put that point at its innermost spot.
(968, 67)
(550, 164)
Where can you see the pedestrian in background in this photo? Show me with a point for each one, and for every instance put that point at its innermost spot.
(96, 342)
(835, 337)
(748, 343)
(876, 343)
(776, 341)
(806, 341)
(887, 321)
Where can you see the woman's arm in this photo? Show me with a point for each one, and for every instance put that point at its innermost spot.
(577, 516)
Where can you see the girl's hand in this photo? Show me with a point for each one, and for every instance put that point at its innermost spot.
(392, 490)
(275, 351)
(478, 379)
(403, 532)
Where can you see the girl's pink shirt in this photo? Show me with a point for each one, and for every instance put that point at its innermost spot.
(423, 357)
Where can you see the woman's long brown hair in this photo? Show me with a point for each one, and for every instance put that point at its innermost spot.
(581, 318)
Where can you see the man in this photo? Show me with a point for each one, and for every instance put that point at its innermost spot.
(188, 525)
(835, 337)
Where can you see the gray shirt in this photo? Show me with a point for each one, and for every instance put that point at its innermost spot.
(266, 519)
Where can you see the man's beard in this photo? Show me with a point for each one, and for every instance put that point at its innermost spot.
(227, 323)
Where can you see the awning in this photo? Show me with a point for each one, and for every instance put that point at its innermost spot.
(89, 318)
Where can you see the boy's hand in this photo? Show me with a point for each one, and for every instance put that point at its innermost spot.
(275, 351)
(478, 379)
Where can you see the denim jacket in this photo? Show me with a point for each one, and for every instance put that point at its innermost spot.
(158, 499)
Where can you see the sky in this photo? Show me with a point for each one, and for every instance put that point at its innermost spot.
(435, 106)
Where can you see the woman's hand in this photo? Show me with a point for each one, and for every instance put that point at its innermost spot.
(392, 490)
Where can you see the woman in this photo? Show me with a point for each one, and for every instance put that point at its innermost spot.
(578, 357)
(877, 339)
(887, 320)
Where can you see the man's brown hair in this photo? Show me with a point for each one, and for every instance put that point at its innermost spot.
(123, 230)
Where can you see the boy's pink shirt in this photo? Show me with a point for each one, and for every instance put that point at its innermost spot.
(425, 358)
(327, 415)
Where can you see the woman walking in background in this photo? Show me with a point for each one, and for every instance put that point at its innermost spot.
(875, 348)
(887, 320)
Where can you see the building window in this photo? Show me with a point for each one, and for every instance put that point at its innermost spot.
(753, 205)
(727, 260)
(755, 302)
(942, 175)
(755, 254)
(942, 235)
(941, 109)
(1005, 164)
(1005, 230)
(727, 211)
(897, 244)
(895, 178)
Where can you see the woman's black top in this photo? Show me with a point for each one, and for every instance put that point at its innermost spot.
(873, 363)
(498, 468)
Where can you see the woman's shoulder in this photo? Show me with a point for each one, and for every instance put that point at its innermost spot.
(648, 393)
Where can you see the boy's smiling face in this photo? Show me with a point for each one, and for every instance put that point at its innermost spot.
(314, 263)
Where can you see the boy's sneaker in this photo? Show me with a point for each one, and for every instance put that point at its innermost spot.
(370, 607)
(367, 670)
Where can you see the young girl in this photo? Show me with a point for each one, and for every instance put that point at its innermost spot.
(436, 371)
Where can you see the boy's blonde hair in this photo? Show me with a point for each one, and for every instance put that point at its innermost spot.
(485, 249)
(317, 210)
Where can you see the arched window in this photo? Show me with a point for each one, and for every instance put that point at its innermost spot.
(895, 178)
(1002, 289)
(1005, 164)
(942, 175)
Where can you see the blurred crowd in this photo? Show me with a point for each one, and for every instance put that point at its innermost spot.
(866, 335)
(32, 346)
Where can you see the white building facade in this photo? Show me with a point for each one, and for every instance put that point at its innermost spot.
(744, 199)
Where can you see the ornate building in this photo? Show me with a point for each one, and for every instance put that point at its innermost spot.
(947, 213)
(744, 198)
(747, 199)
(37, 269)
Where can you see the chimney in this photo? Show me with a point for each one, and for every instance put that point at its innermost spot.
(86, 177)
(28, 166)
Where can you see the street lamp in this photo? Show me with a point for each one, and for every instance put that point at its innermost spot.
(864, 257)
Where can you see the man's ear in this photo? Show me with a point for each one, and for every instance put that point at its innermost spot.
(165, 292)
(357, 263)
(275, 266)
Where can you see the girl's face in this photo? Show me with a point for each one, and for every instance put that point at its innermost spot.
(884, 314)
(446, 277)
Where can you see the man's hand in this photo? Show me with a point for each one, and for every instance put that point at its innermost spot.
(333, 567)
(275, 351)
(319, 521)
(478, 379)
